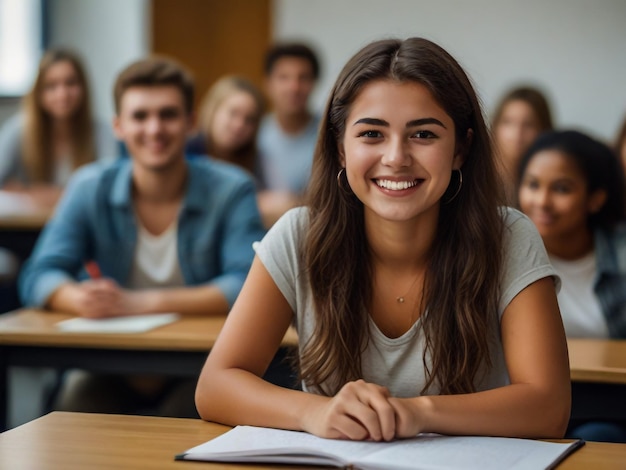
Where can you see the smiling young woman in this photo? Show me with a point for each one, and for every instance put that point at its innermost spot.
(404, 204)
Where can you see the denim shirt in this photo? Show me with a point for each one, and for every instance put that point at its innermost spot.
(610, 283)
(217, 224)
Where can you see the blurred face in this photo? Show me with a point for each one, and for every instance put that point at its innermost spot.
(399, 151)
(554, 195)
(61, 91)
(154, 125)
(290, 84)
(235, 122)
(515, 131)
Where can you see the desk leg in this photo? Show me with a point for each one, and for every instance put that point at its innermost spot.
(4, 393)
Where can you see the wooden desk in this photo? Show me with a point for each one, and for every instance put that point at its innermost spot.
(77, 441)
(595, 360)
(598, 372)
(19, 212)
(30, 338)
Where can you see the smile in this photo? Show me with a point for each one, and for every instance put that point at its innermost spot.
(396, 185)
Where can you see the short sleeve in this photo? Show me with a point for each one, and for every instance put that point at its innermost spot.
(525, 259)
(279, 253)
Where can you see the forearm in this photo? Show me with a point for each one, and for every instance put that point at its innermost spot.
(235, 396)
(63, 299)
(519, 410)
(197, 300)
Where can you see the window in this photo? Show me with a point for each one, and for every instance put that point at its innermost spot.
(21, 44)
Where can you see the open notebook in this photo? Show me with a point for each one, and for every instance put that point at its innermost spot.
(249, 444)
(129, 324)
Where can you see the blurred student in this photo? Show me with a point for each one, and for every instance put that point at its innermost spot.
(572, 187)
(229, 120)
(522, 114)
(421, 304)
(288, 135)
(54, 133)
(168, 234)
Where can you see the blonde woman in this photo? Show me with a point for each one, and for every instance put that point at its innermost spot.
(229, 120)
(54, 134)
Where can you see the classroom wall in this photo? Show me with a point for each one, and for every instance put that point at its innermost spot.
(573, 49)
(108, 35)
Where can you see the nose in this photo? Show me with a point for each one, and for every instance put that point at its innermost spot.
(396, 154)
(154, 125)
(542, 197)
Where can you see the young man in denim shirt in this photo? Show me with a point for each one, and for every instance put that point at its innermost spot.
(167, 234)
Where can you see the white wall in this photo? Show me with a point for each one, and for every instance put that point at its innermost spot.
(108, 34)
(572, 49)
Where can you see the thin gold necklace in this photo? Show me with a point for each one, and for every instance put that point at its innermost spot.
(400, 299)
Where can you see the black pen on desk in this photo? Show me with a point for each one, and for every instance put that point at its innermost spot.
(93, 270)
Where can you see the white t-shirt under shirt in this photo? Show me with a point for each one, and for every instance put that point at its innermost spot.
(397, 362)
(156, 260)
(580, 309)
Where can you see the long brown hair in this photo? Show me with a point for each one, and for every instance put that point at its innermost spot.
(222, 89)
(37, 134)
(462, 282)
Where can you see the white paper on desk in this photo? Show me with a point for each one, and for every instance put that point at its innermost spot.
(130, 324)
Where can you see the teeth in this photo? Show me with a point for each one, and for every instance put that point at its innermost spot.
(396, 185)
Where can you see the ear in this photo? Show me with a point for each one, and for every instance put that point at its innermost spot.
(462, 149)
(596, 201)
(117, 128)
(342, 154)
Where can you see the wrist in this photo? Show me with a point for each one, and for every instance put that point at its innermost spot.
(423, 411)
(309, 410)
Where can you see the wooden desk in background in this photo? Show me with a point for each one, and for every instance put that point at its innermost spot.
(21, 221)
(66, 441)
(19, 212)
(597, 360)
(598, 372)
(30, 338)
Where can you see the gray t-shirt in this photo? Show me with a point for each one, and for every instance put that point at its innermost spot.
(284, 162)
(397, 362)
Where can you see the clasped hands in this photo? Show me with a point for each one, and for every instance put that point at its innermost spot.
(103, 297)
(364, 411)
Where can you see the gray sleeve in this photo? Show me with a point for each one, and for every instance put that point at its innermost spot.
(525, 259)
(279, 253)
(10, 149)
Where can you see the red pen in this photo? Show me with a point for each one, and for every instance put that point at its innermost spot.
(93, 269)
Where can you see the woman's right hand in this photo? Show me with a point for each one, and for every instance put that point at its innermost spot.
(359, 411)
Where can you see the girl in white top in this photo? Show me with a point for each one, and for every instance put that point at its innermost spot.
(420, 305)
(572, 187)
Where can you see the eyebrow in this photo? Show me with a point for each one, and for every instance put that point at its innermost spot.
(414, 123)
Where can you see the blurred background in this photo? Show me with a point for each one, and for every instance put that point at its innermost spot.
(573, 50)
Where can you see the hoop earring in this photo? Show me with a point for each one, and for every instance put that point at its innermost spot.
(340, 181)
(339, 177)
(458, 190)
